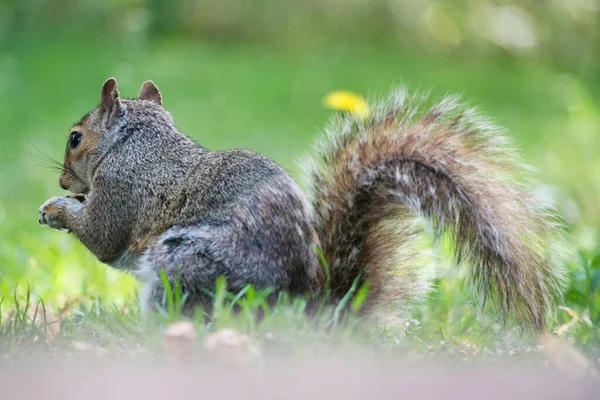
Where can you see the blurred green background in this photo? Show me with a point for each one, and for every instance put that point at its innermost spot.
(253, 73)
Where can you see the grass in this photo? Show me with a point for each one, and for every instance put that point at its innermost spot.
(242, 96)
(443, 326)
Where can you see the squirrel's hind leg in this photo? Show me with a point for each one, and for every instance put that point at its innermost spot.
(198, 255)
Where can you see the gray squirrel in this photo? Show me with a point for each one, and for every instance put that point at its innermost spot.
(146, 198)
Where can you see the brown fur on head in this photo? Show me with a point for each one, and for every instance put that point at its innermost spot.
(84, 143)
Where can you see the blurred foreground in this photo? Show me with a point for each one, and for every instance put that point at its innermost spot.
(313, 378)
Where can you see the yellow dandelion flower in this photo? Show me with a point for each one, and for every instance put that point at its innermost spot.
(347, 101)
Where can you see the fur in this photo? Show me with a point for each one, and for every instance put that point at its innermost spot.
(448, 164)
(155, 200)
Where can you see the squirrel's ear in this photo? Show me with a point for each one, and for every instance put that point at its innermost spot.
(150, 92)
(109, 99)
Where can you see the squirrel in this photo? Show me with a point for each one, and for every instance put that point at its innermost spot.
(147, 198)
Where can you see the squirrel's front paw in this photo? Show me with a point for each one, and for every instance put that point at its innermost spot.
(52, 212)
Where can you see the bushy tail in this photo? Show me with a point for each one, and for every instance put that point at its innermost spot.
(374, 178)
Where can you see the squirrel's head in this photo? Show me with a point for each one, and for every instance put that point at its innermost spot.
(91, 136)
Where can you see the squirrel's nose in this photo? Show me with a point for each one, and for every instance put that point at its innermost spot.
(61, 184)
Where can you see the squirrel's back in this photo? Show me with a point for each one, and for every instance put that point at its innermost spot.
(174, 181)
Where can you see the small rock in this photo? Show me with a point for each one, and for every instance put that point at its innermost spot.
(43, 316)
(180, 338)
(231, 349)
(565, 357)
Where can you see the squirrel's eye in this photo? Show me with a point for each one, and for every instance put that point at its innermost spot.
(74, 139)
